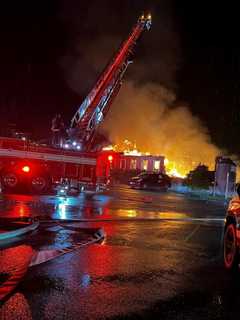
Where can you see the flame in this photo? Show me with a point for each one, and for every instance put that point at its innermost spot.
(127, 147)
(173, 168)
(108, 148)
(133, 152)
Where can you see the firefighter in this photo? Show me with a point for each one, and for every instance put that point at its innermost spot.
(57, 130)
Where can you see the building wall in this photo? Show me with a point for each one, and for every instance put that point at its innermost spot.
(140, 163)
(225, 175)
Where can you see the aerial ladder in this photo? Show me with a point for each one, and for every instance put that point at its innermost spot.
(26, 166)
(95, 106)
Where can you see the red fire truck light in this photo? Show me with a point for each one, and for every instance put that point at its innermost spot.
(110, 158)
(26, 169)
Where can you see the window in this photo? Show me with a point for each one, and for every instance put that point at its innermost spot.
(87, 172)
(157, 165)
(123, 164)
(144, 165)
(133, 164)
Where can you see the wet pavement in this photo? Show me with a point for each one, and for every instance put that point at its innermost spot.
(161, 258)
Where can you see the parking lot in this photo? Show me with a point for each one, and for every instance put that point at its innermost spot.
(161, 257)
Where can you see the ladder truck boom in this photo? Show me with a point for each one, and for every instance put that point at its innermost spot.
(97, 103)
(27, 166)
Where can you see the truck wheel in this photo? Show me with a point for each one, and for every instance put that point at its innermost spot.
(10, 181)
(230, 248)
(40, 184)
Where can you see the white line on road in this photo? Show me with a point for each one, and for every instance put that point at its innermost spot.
(134, 220)
(192, 233)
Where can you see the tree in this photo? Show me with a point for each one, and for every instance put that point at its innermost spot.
(200, 177)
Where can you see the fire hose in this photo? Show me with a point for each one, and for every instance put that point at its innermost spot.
(11, 276)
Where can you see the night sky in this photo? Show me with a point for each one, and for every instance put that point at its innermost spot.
(209, 78)
(53, 51)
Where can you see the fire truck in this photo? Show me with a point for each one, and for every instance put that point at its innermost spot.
(30, 167)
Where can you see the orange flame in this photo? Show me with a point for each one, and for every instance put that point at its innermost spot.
(173, 168)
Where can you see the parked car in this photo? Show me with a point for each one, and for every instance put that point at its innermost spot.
(231, 242)
(151, 181)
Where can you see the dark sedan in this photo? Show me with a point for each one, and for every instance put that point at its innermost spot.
(151, 181)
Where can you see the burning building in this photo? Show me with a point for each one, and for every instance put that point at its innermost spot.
(130, 159)
(146, 163)
(126, 165)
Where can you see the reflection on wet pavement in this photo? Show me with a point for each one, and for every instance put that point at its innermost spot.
(16, 307)
(127, 204)
(145, 268)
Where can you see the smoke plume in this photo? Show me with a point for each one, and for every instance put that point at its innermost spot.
(147, 116)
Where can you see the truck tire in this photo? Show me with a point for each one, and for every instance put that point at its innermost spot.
(40, 184)
(230, 248)
(9, 181)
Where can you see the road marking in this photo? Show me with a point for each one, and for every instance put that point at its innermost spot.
(133, 219)
(192, 233)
